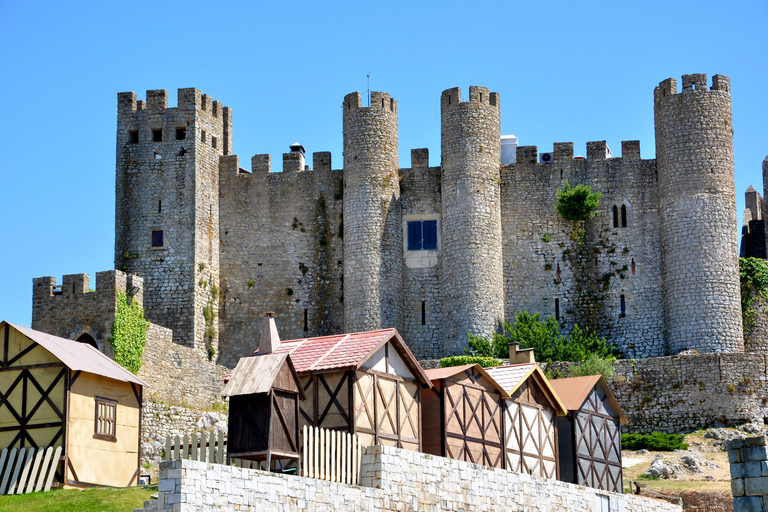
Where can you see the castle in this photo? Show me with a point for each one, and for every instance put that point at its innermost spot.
(436, 252)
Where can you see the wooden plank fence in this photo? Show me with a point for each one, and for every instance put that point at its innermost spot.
(331, 455)
(197, 447)
(28, 470)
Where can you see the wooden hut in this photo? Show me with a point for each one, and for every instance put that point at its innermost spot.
(365, 383)
(530, 430)
(264, 393)
(61, 393)
(590, 435)
(462, 415)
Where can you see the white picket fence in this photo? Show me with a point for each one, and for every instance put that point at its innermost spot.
(197, 447)
(331, 455)
(32, 470)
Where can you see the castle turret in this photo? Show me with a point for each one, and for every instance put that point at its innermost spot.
(697, 204)
(471, 277)
(167, 206)
(372, 222)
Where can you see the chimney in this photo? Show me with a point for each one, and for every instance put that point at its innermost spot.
(517, 356)
(270, 340)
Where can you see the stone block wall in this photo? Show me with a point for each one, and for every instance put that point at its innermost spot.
(177, 373)
(392, 480)
(749, 474)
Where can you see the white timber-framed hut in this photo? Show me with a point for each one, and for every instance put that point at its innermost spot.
(365, 383)
(530, 429)
(62, 393)
(589, 436)
(462, 415)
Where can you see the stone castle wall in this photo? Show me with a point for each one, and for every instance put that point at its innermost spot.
(551, 269)
(281, 250)
(167, 181)
(694, 151)
(392, 479)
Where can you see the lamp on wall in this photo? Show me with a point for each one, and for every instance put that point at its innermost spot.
(132, 291)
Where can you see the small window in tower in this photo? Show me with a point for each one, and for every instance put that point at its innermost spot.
(105, 419)
(423, 312)
(157, 239)
(422, 235)
(157, 135)
(557, 309)
(633, 266)
(214, 143)
(306, 315)
(203, 136)
(623, 307)
(159, 207)
(615, 216)
(623, 215)
(181, 133)
(134, 136)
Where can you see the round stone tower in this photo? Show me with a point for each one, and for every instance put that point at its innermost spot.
(373, 236)
(697, 203)
(472, 285)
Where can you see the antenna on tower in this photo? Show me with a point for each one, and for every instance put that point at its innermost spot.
(369, 88)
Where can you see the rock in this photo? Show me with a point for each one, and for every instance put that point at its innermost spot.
(643, 452)
(665, 470)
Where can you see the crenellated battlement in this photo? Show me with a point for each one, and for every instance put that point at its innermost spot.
(188, 99)
(379, 101)
(696, 82)
(261, 165)
(451, 98)
(596, 151)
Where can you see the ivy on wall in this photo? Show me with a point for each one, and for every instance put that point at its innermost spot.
(129, 333)
(753, 275)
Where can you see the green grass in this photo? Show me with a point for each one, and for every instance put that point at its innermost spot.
(97, 499)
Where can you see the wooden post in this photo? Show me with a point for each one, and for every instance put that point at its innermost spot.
(46, 462)
(168, 448)
(212, 448)
(52, 472)
(220, 449)
(193, 447)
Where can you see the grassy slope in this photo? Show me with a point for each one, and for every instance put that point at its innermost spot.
(99, 499)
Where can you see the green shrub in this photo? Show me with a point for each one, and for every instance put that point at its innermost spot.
(485, 362)
(578, 203)
(753, 275)
(594, 365)
(657, 441)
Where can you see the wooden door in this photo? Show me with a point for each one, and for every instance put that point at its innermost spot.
(387, 410)
(284, 431)
(328, 401)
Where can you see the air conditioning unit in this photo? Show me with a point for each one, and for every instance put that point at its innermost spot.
(546, 158)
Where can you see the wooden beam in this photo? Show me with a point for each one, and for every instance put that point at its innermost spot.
(5, 345)
(21, 354)
(30, 367)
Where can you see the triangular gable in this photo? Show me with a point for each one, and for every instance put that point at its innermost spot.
(576, 392)
(461, 372)
(405, 355)
(77, 356)
(521, 373)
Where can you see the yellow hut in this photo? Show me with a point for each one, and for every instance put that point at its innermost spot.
(59, 392)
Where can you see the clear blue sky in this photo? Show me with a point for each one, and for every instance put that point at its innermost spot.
(565, 72)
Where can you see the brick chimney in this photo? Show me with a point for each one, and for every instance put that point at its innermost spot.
(518, 356)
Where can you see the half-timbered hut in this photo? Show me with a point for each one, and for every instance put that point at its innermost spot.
(264, 394)
(590, 435)
(462, 415)
(365, 383)
(62, 393)
(530, 430)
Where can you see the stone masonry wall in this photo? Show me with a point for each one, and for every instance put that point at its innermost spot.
(72, 310)
(392, 480)
(550, 269)
(179, 374)
(749, 474)
(700, 268)
(281, 250)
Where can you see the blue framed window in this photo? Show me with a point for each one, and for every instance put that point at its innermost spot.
(157, 239)
(422, 235)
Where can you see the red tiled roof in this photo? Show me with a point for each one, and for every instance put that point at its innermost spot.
(343, 352)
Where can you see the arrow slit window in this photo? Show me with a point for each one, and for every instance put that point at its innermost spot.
(105, 420)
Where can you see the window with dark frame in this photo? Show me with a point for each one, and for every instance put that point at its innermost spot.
(623, 215)
(422, 235)
(157, 239)
(105, 419)
(157, 135)
(214, 143)
(181, 133)
(134, 136)
(615, 216)
(623, 307)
